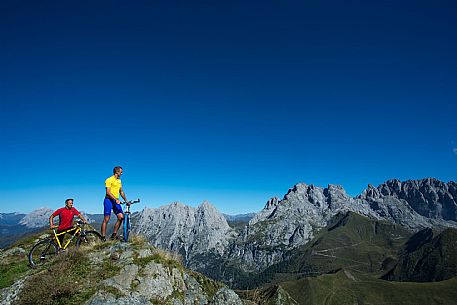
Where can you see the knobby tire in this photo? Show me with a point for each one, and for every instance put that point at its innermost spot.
(42, 252)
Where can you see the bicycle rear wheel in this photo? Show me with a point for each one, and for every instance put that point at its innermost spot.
(88, 239)
(42, 252)
(126, 227)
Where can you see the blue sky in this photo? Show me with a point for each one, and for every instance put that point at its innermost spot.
(227, 101)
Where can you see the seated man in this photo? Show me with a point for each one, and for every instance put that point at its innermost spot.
(66, 215)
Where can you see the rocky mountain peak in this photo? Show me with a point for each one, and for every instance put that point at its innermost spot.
(267, 211)
(210, 218)
(206, 207)
(336, 187)
(302, 191)
(298, 188)
(176, 206)
(336, 195)
(184, 229)
(271, 203)
(37, 219)
(370, 191)
(429, 197)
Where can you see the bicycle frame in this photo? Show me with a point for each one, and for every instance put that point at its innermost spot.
(51, 245)
(76, 232)
(127, 225)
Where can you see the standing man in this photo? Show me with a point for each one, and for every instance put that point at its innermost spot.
(113, 187)
(66, 215)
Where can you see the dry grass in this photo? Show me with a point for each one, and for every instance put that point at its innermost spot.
(56, 284)
(171, 256)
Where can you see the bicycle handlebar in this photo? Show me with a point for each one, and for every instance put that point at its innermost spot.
(131, 201)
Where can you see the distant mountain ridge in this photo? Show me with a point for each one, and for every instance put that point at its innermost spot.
(239, 217)
(10, 218)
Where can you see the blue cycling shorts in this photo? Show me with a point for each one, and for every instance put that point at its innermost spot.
(111, 204)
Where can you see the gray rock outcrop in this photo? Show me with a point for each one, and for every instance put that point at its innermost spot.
(152, 279)
(227, 297)
(9, 295)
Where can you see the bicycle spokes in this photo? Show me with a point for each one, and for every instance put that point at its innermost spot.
(42, 252)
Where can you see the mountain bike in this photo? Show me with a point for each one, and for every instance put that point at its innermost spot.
(127, 222)
(44, 250)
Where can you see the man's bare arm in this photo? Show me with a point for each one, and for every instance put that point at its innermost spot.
(51, 222)
(82, 218)
(121, 191)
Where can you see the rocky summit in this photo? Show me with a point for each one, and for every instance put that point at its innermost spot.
(107, 273)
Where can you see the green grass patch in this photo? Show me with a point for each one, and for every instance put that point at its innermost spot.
(108, 269)
(69, 280)
(143, 261)
(159, 259)
(11, 272)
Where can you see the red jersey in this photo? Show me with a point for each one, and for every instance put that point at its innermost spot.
(65, 217)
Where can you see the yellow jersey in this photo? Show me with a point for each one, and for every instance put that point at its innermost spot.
(114, 185)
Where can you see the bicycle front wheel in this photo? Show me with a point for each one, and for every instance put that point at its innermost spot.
(88, 239)
(126, 227)
(42, 252)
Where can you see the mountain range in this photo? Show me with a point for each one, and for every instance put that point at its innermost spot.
(393, 243)
(206, 241)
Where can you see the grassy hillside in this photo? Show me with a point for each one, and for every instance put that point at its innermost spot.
(350, 241)
(345, 287)
(427, 257)
(353, 252)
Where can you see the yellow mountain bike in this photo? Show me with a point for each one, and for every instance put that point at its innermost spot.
(48, 248)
